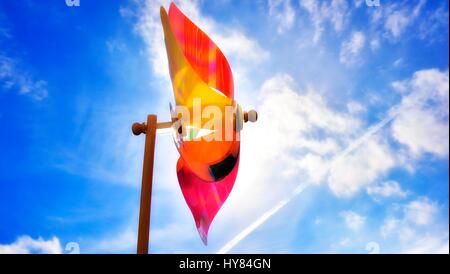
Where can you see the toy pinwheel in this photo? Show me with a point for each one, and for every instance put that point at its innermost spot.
(202, 84)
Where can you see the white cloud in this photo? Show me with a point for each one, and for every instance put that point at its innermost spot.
(315, 166)
(149, 27)
(338, 11)
(427, 92)
(399, 86)
(12, 77)
(376, 16)
(28, 245)
(428, 245)
(417, 213)
(422, 124)
(421, 211)
(389, 226)
(350, 173)
(318, 146)
(396, 22)
(335, 12)
(398, 228)
(354, 107)
(422, 132)
(353, 220)
(417, 229)
(279, 100)
(386, 189)
(283, 13)
(248, 51)
(316, 113)
(434, 25)
(395, 18)
(375, 44)
(284, 120)
(351, 49)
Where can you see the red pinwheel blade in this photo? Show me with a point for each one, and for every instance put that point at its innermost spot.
(202, 53)
(204, 198)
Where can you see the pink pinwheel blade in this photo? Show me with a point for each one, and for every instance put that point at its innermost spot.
(204, 198)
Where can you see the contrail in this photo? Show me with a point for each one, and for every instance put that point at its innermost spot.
(261, 220)
(393, 112)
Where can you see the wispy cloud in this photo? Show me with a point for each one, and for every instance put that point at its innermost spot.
(15, 75)
(283, 13)
(434, 26)
(336, 12)
(395, 18)
(428, 245)
(17, 79)
(355, 107)
(386, 189)
(353, 220)
(421, 211)
(351, 49)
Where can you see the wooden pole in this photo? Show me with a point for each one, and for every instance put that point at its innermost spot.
(147, 177)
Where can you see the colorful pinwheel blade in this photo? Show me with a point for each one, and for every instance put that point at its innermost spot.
(199, 71)
(204, 198)
(202, 53)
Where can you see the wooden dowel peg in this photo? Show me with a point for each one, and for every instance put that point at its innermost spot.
(138, 128)
(250, 116)
(163, 125)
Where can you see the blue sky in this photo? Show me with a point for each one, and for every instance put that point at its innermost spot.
(353, 108)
